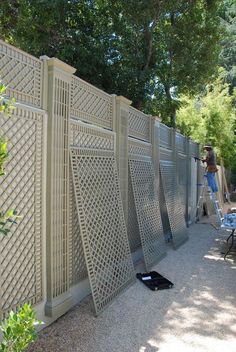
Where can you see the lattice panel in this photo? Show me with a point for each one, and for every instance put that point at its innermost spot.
(83, 136)
(182, 180)
(89, 103)
(102, 224)
(194, 148)
(193, 195)
(148, 210)
(78, 269)
(139, 148)
(165, 136)
(21, 189)
(22, 73)
(93, 138)
(163, 211)
(139, 125)
(174, 205)
(180, 143)
(133, 229)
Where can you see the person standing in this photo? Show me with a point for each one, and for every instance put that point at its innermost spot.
(210, 160)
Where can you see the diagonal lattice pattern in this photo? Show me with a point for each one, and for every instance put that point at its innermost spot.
(165, 136)
(180, 143)
(174, 205)
(22, 73)
(82, 136)
(139, 125)
(102, 224)
(194, 148)
(139, 148)
(21, 189)
(89, 103)
(87, 137)
(148, 210)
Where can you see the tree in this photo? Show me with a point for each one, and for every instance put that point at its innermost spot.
(211, 117)
(228, 53)
(188, 53)
(149, 51)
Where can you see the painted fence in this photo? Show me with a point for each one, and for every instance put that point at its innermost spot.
(97, 183)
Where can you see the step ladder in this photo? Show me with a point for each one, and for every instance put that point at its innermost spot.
(211, 202)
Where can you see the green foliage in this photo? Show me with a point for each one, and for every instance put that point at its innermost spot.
(228, 52)
(6, 105)
(211, 117)
(19, 330)
(7, 218)
(187, 49)
(149, 51)
(3, 154)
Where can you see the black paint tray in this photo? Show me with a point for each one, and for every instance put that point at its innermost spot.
(154, 281)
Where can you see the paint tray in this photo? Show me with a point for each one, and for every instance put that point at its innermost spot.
(154, 281)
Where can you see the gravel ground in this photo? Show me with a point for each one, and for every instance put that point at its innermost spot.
(197, 315)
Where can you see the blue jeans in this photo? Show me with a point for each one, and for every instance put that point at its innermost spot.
(211, 181)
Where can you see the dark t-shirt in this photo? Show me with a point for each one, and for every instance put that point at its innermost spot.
(210, 158)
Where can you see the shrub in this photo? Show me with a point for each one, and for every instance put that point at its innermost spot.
(19, 330)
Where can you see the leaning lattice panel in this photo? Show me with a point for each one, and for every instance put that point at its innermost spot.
(174, 205)
(100, 213)
(139, 125)
(193, 197)
(22, 73)
(164, 213)
(78, 269)
(82, 136)
(146, 202)
(91, 104)
(133, 229)
(21, 189)
(182, 168)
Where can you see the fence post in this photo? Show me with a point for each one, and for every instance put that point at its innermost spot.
(121, 127)
(58, 87)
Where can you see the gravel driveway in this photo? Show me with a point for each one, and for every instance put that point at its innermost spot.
(197, 315)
